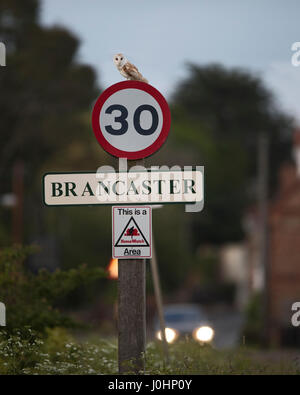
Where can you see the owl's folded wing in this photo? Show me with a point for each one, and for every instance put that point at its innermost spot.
(131, 70)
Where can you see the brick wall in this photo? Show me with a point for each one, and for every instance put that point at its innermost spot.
(284, 255)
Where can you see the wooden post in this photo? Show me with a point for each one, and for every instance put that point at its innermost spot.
(131, 311)
(132, 315)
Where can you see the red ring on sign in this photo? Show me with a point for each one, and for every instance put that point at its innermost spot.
(165, 114)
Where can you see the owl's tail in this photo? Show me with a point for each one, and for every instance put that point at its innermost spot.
(143, 79)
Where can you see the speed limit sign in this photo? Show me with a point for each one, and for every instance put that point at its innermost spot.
(131, 119)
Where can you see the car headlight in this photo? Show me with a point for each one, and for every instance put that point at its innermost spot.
(204, 334)
(171, 335)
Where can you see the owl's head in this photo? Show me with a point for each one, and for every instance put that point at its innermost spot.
(119, 60)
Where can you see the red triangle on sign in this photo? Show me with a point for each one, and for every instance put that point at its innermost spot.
(132, 236)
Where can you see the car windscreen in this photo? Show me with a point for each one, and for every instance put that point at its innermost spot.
(181, 317)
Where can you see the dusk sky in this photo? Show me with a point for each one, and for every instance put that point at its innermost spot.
(161, 36)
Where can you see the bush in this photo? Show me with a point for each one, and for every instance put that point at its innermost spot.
(32, 299)
(254, 329)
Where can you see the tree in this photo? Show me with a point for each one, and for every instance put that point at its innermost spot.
(44, 95)
(43, 89)
(217, 116)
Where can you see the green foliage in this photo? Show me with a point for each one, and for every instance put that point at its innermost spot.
(43, 91)
(217, 115)
(32, 299)
(59, 354)
(19, 349)
(232, 103)
(171, 239)
(208, 265)
(254, 320)
(96, 239)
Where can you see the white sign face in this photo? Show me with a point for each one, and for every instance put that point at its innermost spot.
(142, 187)
(131, 232)
(113, 119)
(131, 120)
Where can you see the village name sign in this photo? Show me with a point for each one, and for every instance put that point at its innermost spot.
(155, 187)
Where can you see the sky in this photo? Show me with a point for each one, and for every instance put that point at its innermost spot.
(161, 36)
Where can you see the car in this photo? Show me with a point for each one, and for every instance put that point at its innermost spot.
(182, 320)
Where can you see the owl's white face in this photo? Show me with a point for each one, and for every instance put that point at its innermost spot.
(119, 60)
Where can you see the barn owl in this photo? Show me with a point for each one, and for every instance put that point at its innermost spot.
(128, 70)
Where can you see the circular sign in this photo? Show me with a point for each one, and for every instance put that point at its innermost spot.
(131, 119)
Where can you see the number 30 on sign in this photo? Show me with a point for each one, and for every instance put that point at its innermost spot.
(131, 119)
